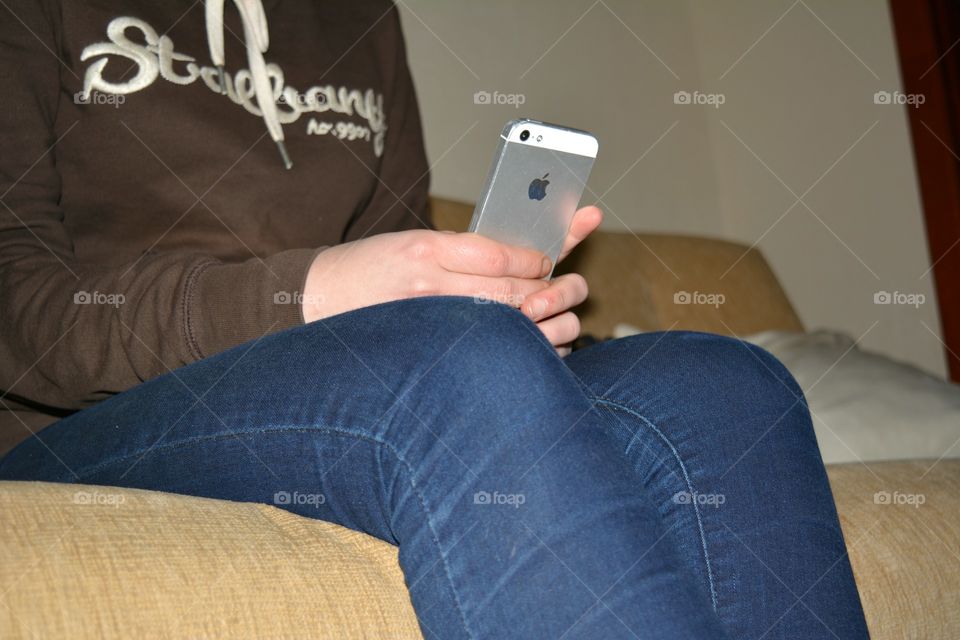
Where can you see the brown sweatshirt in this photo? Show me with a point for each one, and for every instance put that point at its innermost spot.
(147, 218)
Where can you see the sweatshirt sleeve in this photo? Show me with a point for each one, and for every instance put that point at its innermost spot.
(399, 200)
(71, 332)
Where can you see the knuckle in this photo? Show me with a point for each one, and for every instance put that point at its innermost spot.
(512, 294)
(575, 290)
(421, 247)
(582, 288)
(558, 300)
(580, 282)
(562, 329)
(503, 293)
(569, 328)
(497, 260)
(421, 286)
(418, 250)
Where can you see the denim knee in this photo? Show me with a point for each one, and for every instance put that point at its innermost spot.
(499, 341)
(750, 367)
(749, 388)
(464, 388)
(701, 379)
(489, 355)
(437, 357)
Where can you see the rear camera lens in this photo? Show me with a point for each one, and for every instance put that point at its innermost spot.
(524, 135)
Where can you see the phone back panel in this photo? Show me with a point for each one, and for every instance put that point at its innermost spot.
(509, 211)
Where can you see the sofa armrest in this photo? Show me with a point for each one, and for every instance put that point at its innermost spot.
(102, 562)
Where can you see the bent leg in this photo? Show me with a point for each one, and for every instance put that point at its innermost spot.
(448, 427)
(719, 433)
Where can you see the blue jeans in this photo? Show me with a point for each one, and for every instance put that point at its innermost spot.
(666, 485)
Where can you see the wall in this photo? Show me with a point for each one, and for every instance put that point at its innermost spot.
(798, 159)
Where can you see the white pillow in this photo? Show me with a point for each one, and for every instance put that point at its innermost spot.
(865, 406)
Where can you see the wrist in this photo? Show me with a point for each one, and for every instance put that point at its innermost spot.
(315, 301)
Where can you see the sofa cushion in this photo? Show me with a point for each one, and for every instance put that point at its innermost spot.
(901, 521)
(93, 562)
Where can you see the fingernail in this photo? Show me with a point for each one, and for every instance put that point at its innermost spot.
(546, 266)
(537, 307)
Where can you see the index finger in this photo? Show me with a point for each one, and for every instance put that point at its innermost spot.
(478, 255)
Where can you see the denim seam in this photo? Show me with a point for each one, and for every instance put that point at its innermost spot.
(388, 446)
(696, 509)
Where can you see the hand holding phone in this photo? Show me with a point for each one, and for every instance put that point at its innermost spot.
(530, 199)
(419, 262)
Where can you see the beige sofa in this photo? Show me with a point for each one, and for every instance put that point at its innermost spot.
(91, 562)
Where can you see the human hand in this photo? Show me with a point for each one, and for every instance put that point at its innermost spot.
(406, 264)
(550, 307)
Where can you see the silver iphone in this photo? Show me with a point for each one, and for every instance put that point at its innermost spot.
(538, 174)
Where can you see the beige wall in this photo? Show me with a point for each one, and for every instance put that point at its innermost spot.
(798, 120)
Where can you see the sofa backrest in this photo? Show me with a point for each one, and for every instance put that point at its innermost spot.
(656, 281)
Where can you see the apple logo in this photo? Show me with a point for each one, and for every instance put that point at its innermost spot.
(538, 188)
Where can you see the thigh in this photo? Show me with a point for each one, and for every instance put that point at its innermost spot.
(301, 419)
(353, 420)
